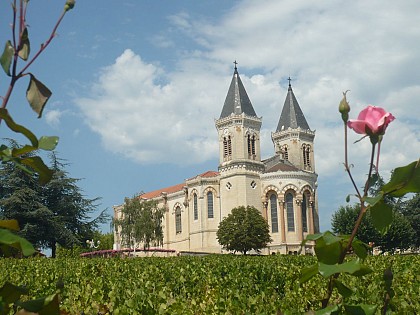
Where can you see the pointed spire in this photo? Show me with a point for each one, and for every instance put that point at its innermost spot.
(237, 100)
(291, 115)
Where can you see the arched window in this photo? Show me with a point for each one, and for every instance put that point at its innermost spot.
(285, 152)
(274, 216)
(178, 222)
(195, 206)
(251, 145)
(227, 148)
(290, 213)
(306, 151)
(304, 213)
(210, 213)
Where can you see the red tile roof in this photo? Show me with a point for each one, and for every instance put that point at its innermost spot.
(175, 188)
(206, 174)
(168, 190)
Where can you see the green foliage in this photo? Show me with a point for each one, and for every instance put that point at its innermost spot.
(141, 222)
(244, 229)
(215, 284)
(399, 235)
(410, 209)
(50, 214)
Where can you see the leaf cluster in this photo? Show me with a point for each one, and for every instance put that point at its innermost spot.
(244, 229)
(141, 222)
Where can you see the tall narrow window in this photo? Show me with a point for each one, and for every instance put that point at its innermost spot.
(274, 216)
(306, 151)
(304, 214)
(251, 145)
(195, 206)
(225, 147)
(178, 222)
(210, 213)
(285, 152)
(290, 213)
(229, 146)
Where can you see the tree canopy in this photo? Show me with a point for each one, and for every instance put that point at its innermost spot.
(50, 214)
(400, 234)
(140, 222)
(244, 229)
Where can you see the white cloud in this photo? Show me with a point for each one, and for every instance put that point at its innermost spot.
(53, 117)
(152, 114)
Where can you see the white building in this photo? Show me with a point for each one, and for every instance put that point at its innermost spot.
(282, 187)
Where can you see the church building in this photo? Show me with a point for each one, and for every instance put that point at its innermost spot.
(283, 187)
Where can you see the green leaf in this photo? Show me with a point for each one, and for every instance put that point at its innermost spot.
(362, 309)
(360, 248)
(37, 95)
(404, 180)
(374, 200)
(13, 240)
(329, 310)
(381, 214)
(37, 164)
(48, 143)
(17, 152)
(9, 224)
(353, 267)
(4, 114)
(10, 293)
(328, 248)
(308, 273)
(6, 57)
(25, 48)
(342, 289)
(48, 305)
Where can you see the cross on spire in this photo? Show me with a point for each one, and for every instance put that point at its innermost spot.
(235, 65)
(289, 79)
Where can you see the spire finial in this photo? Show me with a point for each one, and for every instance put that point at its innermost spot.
(235, 65)
(289, 79)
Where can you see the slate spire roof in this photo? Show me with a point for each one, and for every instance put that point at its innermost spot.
(237, 100)
(291, 115)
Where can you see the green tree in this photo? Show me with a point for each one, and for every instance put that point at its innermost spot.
(400, 234)
(244, 229)
(411, 210)
(141, 222)
(51, 214)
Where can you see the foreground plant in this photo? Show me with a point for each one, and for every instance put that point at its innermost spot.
(37, 94)
(332, 251)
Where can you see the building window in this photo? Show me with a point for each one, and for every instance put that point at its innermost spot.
(227, 148)
(290, 213)
(285, 152)
(274, 217)
(251, 145)
(178, 223)
(210, 213)
(306, 151)
(304, 214)
(253, 184)
(195, 206)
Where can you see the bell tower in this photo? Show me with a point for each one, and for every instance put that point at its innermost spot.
(240, 163)
(293, 139)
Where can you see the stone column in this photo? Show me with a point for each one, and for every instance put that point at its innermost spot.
(298, 225)
(310, 217)
(282, 225)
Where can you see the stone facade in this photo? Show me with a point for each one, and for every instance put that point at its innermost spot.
(283, 187)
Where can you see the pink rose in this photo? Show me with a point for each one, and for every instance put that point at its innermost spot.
(371, 121)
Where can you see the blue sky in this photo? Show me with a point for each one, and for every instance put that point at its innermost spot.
(137, 84)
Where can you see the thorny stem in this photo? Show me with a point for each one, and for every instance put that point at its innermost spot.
(362, 212)
(14, 76)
